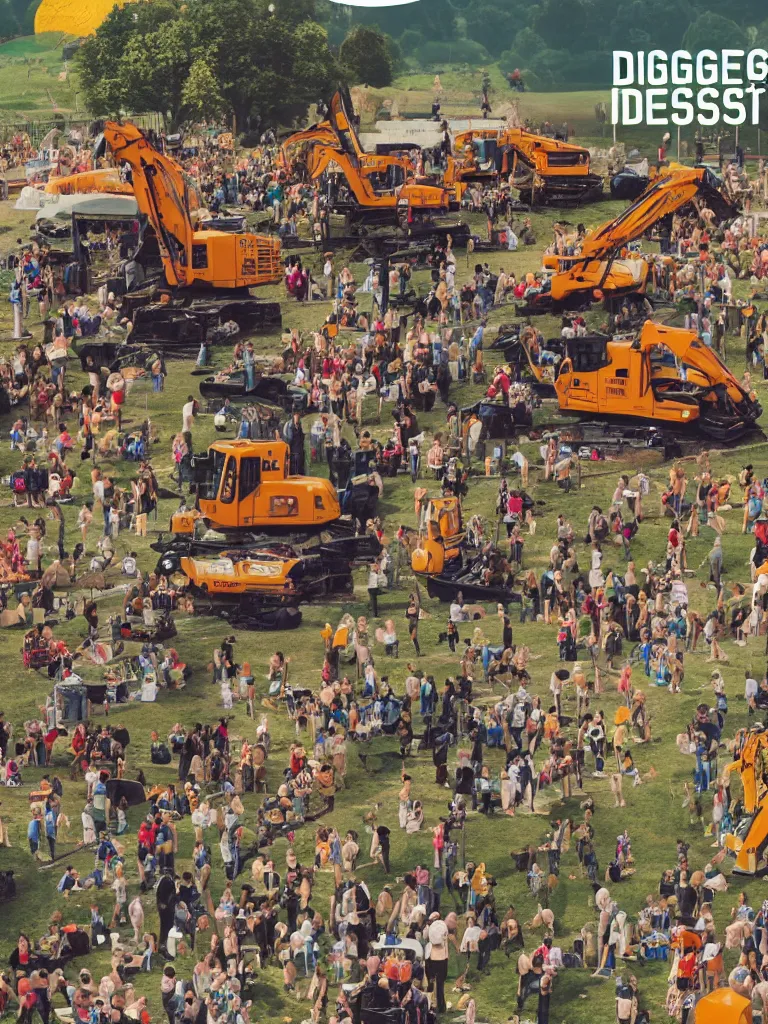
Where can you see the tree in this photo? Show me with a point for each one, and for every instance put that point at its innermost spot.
(435, 19)
(366, 57)
(492, 26)
(411, 40)
(711, 31)
(266, 66)
(200, 95)
(112, 65)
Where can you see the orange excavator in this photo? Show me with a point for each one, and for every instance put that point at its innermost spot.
(665, 375)
(248, 500)
(337, 130)
(378, 186)
(748, 840)
(207, 269)
(603, 267)
(544, 170)
(207, 259)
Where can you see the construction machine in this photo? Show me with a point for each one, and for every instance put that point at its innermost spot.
(248, 501)
(723, 1006)
(264, 585)
(379, 186)
(544, 170)
(666, 375)
(603, 268)
(439, 555)
(199, 262)
(748, 840)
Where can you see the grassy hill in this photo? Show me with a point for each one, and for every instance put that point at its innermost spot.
(654, 814)
(31, 85)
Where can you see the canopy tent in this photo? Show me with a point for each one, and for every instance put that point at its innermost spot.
(100, 207)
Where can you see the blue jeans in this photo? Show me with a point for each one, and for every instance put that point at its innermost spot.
(250, 376)
(488, 654)
(157, 382)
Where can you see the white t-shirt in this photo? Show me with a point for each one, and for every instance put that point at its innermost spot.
(187, 410)
(750, 688)
(437, 933)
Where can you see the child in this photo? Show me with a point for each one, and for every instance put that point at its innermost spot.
(122, 819)
(246, 686)
(17, 436)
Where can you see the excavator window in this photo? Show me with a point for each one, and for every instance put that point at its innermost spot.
(588, 354)
(208, 470)
(229, 484)
(200, 257)
(319, 502)
(284, 505)
(250, 476)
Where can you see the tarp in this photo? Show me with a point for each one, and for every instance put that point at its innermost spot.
(30, 198)
(420, 132)
(55, 207)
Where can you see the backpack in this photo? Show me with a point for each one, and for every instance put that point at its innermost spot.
(161, 754)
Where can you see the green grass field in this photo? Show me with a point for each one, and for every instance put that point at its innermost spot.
(654, 814)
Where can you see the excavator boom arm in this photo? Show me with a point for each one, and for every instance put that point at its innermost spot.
(664, 195)
(161, 193)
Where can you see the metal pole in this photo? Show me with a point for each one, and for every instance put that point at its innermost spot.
(614, 134)
(678, 143)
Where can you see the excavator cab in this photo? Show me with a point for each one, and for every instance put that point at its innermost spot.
(247, 485)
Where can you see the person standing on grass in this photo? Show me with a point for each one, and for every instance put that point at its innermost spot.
(35, 832)
(51, 827)
(249, 364)
(373, 588)
(412, 615)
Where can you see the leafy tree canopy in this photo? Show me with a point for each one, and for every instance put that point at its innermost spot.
(182, 58)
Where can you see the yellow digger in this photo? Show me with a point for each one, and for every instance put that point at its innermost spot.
(603, 268)
(543, 170)
(748, 840)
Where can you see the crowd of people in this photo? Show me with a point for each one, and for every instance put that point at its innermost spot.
(369, 923)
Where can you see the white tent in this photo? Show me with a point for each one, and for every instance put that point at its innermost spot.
(97, 205)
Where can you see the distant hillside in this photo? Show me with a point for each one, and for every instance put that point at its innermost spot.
(17, 18)
(34, 80)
